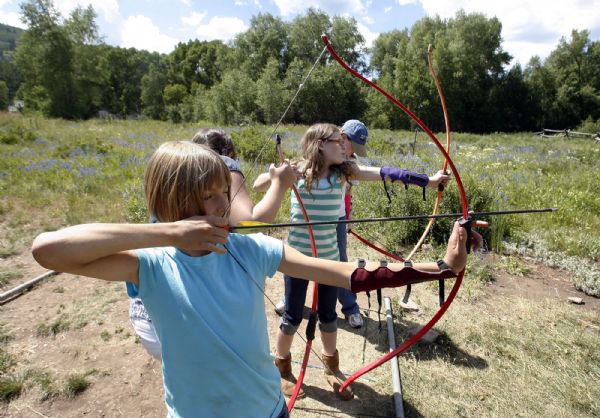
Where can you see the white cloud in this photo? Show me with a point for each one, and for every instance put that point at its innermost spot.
(11, 19)
(187, 3)
(332, 7)
(194, 19)
(405, 2)
(108, 9)
(529, 27)
(223, 28)
(247, 3)
(367, 34)
(387, 10)
(141, 33)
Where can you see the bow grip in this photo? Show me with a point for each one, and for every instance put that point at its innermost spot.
(441, 186)
(466, 223)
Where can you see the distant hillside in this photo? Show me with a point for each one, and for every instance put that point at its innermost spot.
(8, 39)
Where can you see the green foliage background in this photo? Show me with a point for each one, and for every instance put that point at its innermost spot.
(55, 173)
(62, 68)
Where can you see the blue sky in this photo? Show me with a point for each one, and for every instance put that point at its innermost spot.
(529, 27)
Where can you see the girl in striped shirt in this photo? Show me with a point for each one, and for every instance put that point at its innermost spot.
(326, 170)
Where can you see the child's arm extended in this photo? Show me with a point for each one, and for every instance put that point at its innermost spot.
(398, 174)
(340, 274)
(104, 251)
(282, 178)
(263, 181)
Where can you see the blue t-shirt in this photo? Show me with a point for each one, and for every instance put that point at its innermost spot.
(210, 319)
(232, 165)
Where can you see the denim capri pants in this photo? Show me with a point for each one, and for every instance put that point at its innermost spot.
(294, 307)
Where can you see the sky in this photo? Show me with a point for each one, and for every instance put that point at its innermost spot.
(529, 27)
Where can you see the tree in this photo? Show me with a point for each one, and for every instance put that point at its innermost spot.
(349, 43)
(510, 105)
(197, 62)
(45, 56)
(81, 26)
(469, 61)
(574, 65)
(153, 84)
(270, 93)
(123, 70)
(265, 40)
(11, 75)
(542, 86)
(3, 95)
(233, 100)
(305, 35)
(174, 96)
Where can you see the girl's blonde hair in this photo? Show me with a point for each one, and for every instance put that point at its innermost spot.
(314, 162)
(178, 177)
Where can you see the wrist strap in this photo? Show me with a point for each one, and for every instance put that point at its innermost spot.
(442, 265)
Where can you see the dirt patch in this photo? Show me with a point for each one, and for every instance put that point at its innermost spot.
(538, 282)
(126, 382)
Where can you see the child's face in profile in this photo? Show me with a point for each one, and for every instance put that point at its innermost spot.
(216, 201)
(347, 145)
(334, 149)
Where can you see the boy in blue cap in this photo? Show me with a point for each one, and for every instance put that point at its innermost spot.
(355, 134)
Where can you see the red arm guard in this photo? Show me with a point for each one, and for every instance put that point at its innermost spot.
(363, 280)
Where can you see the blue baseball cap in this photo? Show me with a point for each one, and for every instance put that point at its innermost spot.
(357, 132)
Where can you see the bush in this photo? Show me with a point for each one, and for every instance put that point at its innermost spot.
(254, 146)
(76, 384)
(589, 126)
(16, 134)
(84, 147)
(370, 200)
(10, 388)
(135, 202)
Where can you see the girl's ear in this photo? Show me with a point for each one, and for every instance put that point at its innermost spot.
(320, 144)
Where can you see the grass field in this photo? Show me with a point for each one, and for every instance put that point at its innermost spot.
(55, 173)
(511, 357)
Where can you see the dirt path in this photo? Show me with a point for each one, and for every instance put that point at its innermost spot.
(126, 382)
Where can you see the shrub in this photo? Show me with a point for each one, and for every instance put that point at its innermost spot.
(135, 202)
(590, 126)
(16, 134)
(253, 145)
(75, 384)
(10, 388)
(83, 147)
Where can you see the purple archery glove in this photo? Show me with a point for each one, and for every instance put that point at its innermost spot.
(405, 176)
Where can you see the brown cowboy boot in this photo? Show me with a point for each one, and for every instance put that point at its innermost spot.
(335, 377)
(288, 380)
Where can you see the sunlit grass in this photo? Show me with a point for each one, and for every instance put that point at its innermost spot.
(57, 173)
(517, 358)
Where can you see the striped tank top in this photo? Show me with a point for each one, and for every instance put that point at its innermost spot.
(322, 204)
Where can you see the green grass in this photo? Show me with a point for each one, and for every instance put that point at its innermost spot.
(509, 358)
(8, 274)
(60, 324)
(10, 388)
(76, 384)
(513, 358)
(64, 172)
(44, 381)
